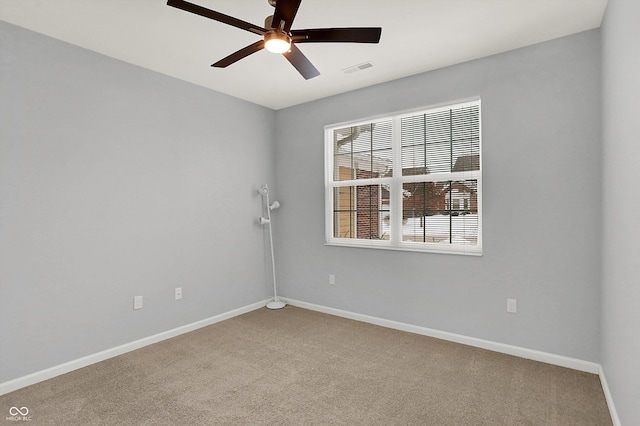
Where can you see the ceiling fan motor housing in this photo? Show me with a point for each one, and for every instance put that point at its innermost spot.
(268, 21)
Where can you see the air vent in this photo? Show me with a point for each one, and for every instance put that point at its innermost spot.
(356, 68)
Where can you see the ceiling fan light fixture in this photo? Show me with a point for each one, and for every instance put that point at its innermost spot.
(277, 42)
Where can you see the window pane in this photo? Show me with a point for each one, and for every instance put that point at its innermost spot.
(363, 152)
(361, 212)
(441, 142)
(465, 139)
(440, 212)
(344, 212)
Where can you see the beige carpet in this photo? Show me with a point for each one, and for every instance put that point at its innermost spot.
(299, 367)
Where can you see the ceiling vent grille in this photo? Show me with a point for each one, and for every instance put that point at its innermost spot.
(357, 68)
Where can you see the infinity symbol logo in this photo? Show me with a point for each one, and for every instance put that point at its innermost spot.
(14, 411)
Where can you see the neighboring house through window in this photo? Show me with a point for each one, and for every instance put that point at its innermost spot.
(410, 181)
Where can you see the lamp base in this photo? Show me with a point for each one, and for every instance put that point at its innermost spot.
(276, 304)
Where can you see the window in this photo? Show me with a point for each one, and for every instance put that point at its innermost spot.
(411, 181)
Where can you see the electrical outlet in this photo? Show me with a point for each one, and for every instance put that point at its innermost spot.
(137, 302)
(512, 306)
(178, 293)
(332, 279)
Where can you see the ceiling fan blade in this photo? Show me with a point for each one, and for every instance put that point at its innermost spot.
(242, 53)
(285, 11)
(216, 16)
(301, 63)
(338, 35)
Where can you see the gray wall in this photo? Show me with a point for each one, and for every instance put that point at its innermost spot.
(542, 197)
(621, 202)
(115, 182)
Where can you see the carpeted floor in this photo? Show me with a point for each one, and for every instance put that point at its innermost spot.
(299, 367)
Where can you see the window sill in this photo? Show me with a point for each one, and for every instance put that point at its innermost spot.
(421, 248)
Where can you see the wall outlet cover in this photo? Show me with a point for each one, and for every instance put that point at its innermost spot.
(137, 302)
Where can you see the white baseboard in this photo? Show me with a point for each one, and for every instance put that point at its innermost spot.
(559, 360)
(67, 367)
(607, 395)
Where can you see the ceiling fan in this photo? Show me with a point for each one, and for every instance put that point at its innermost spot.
(278, 37)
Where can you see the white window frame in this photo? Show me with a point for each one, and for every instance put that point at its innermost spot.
(395, 184)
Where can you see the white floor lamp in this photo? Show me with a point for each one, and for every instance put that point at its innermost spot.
(264, 191)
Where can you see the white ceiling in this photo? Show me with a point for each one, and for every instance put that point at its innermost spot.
(417, 36)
